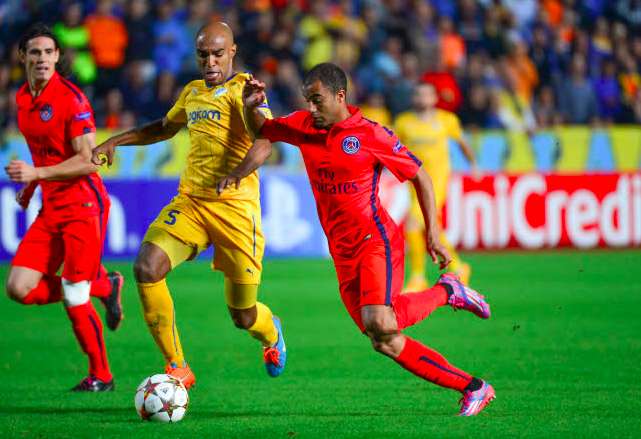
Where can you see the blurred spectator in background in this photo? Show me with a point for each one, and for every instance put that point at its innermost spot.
(140, 94)
(474, 113)
(73, 36)
(139, 23)
(170, 38)
(423, 31)
(112, 111)
(608, 93)
(399, 92)
(543, 56)
(452, 46)
(470, 25)
(577, 101)
(499, 63)
(108, 41)
(630, 81)
(315, 36)
(520, 71)
(447, 89)
(545, 108)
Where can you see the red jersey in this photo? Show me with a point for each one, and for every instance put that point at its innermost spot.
(344, 166)
(48, 122)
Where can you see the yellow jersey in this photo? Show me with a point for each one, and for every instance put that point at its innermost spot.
(428, 140)
(218, 136)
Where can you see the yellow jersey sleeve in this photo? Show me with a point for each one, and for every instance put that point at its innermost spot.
(177, 113)
(453, 126)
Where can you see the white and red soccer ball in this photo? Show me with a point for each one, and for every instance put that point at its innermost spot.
(161, 398)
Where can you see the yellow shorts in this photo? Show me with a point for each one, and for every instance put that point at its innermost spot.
(439, 181)
(231, 226)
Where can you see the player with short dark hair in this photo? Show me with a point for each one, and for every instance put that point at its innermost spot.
(344, 154)
(57, 122)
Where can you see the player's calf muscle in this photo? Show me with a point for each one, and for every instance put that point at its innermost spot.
(243, 318)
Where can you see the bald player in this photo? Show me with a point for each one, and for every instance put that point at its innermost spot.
(212, 110)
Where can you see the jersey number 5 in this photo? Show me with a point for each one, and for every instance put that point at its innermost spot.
(172, 217)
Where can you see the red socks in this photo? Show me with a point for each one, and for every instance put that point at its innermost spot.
(88, 329)
(431, 366)
(411, 308)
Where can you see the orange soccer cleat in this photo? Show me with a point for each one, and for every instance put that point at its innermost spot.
(184, 374)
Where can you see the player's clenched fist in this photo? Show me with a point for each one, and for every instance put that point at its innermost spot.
(254, 93)
(21, 172)
(106, 149)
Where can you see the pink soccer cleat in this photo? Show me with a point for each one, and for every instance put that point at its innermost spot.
(476, 400)
(462, 297)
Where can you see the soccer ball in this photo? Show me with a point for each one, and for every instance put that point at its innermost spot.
(161, 398)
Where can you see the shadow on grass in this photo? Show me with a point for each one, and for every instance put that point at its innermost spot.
(109, 411)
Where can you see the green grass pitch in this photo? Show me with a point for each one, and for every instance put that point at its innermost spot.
(563, 350)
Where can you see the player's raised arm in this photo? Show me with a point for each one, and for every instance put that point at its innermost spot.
(253, 96)
(152, 132)
(425, 193)
(77, 165)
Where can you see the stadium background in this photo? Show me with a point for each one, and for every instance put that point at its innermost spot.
(549, 93)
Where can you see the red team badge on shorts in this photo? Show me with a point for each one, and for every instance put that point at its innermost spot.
(351, 145)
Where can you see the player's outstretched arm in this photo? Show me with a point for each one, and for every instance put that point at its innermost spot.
(156, 131)
(253, 96)
(469, 155)
(77, 165)
(425, 193)
(256, 156)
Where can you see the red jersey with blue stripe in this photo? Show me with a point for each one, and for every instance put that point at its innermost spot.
(344, 166)
(49, 122)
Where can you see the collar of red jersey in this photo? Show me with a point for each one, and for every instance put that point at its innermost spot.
(54, 78)
(355, 118)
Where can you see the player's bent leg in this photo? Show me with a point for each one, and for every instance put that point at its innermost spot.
(150, 269)
(382, 329)
(259, 322)
(380, 326)
(113, 301)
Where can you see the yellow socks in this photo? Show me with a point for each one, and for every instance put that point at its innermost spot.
(158, 310)
(263, 328)
(243, 296)
(416, 246)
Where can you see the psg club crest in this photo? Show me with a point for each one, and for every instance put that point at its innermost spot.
(351, 145)
(46, 113)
